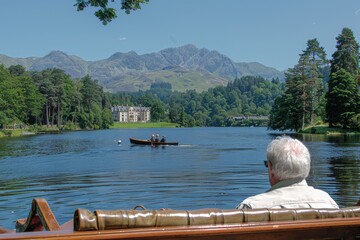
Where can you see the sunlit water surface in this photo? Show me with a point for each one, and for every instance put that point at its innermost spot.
(211, 168)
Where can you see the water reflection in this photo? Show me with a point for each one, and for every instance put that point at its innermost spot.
(346, 171)
(336, 159)
(212, 167)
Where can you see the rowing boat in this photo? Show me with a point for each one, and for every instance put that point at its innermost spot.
(205, 224)
(148, 142)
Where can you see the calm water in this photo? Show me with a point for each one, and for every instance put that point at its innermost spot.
(212, 167)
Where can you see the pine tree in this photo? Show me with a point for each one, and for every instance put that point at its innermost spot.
(347, 54)
(343, 94)
(315, 62)
(343, 97)
(304, 88)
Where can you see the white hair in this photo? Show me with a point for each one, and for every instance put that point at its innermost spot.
(289, 158)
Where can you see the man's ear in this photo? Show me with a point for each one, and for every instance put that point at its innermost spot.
(272, 177)
(270, 168)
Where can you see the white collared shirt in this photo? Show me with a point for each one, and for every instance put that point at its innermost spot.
(290, 193)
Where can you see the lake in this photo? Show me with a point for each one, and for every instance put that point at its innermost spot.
(211, 168)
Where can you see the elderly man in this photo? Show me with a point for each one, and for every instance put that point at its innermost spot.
(288, 163)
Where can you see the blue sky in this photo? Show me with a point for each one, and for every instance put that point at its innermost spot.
(271, 32)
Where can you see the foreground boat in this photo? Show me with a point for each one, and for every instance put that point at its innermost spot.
(208, 224)
(151, 143)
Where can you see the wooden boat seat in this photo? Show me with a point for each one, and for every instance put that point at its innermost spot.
(84, 220)
(207, 224)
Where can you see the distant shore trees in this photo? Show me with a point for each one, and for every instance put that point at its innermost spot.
(50, 97)
(220, 106)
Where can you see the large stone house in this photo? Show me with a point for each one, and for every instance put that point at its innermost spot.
(130, 114)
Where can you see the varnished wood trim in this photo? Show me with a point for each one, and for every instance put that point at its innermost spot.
(40, 216)
(340, 228)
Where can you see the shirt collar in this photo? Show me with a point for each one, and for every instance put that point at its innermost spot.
(289, 182)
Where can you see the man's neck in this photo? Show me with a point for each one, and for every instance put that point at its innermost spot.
(288, 182)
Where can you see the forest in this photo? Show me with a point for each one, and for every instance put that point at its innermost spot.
(51, 98)
(316, 91)
(218, 106)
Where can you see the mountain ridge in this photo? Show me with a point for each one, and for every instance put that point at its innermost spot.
(186, 67)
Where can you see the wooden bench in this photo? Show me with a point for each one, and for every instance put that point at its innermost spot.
(264, 224)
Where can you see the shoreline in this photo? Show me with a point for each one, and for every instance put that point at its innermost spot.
(21, 133)
(44, 130)
(319, 129)
(324, 129)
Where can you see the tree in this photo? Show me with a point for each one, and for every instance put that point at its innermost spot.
(279, 114)
(43, 81)
(17, 70)
(288, 109)
(8, 98)
(316, 63)
(95, 107)
(346, 55)
(33, 100)
(342, 88)
(72, 102)
(157, 107)
(342, 98)
(91, 98)
(304, 88)
(20, 99)
(105, 13)
(58, 80)
(51, 83)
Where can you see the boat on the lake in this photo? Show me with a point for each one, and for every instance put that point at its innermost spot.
(207, 224)
(151, 143)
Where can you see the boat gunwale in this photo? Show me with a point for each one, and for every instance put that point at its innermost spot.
(254, 230)
(138, 141)
(346, 227)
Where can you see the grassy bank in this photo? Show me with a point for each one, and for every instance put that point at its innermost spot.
(317, 129)
(145, 125)
(44, 129)
(31, 130)
(11, 133)
(324, 129)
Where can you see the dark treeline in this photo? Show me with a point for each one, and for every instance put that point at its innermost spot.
(50, 97)
(218, 106)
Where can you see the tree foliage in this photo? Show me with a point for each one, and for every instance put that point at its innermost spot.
(343, 100)
(50, 97)
(300, 105)
(105, 13)
(20, 100)
(305, 100)
(218, 106)
(346, 55)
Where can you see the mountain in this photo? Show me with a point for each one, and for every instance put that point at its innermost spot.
(186, 67)
(72, 65)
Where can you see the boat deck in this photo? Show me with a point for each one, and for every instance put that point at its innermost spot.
(131, 224)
